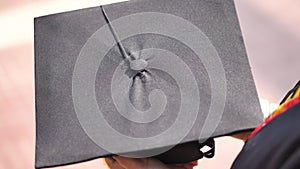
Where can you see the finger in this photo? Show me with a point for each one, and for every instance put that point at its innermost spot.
(242, 136)
(112, 164)
(143, 163)
(190, 165)
(180, 166)
(175, 167)
(130, 163)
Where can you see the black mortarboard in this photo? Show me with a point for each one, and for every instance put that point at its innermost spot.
(138, 78)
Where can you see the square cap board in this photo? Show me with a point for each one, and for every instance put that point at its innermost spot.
(139, 77)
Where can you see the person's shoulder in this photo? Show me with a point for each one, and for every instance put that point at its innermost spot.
(275, 143)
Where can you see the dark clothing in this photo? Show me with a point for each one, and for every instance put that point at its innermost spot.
(276, 146)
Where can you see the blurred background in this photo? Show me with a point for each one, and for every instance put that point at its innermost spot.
(272, 37)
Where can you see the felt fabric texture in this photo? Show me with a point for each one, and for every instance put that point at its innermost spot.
(63, 40)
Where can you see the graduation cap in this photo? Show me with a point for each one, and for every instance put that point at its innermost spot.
(138, 78)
